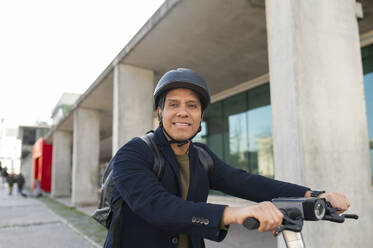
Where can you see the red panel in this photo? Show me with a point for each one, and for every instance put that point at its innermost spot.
(42, 164)
(47, 168)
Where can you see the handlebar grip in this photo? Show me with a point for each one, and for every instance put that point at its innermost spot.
(351, 216)
(251, 223)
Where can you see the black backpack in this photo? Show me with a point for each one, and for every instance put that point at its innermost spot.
(103, 214)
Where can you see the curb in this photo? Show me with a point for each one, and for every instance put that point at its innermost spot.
(92, 242)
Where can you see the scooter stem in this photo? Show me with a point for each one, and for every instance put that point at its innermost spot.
(293, 239)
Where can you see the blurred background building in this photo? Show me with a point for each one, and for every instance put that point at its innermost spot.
(63, 106)
(27, 136)
(10, 148)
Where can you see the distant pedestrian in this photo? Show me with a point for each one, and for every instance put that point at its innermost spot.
(11, 180)
(20, 183)
(4, 174)
(1, 173)
(37, 190)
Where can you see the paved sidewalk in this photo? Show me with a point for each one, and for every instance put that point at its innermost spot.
(27, 222)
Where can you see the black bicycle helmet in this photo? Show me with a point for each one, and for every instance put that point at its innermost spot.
(182, 78)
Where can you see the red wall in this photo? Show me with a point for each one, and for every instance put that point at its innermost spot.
(42, 165)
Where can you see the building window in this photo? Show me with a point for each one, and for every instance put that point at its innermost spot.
(367, 56)
(239, 130)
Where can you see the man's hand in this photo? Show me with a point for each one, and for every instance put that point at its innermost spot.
(269, 217)
(337, 200)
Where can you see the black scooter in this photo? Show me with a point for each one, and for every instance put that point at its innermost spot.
(296, 211)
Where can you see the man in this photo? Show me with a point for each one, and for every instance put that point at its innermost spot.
(4, 174)
(11, 180)
(172, 211)
(20, 183)
(1, 173)
(37, 190)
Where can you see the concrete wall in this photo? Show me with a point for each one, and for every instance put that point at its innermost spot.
(26, 169)
(319, 119)
(132, 103)
(86, 149)
(62, 163)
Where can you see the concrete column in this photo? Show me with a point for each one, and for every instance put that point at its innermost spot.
(319, 119)
(86, 151)
(132, 103)
(61, 168)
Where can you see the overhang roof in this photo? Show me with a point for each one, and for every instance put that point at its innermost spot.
(225, 41)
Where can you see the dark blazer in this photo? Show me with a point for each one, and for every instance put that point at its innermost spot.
(155, 213)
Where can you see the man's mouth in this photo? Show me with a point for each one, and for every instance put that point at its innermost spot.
(181, 124)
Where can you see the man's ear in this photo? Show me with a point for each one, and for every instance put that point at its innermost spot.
(159, 113)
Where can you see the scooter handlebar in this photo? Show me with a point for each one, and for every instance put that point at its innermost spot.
(251, 223)
(292, 221)
(295, 211)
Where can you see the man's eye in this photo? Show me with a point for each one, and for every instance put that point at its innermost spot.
(192, 105)
(172, 104)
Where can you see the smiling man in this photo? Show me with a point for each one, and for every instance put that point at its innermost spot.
(171, 211)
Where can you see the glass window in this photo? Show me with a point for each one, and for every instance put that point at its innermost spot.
(260, 132)
(367, 56)
(212, 129)
(239, 130)
(235, 131)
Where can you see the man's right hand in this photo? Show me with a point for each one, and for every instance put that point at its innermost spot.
(268, 215)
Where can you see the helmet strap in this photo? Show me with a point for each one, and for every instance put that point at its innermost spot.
(179, 143)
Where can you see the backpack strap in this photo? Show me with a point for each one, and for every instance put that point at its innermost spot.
(205, 159)
(158, 165)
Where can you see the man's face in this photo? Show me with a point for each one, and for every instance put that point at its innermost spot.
(181, 114)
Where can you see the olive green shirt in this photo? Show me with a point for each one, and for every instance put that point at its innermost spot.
(183, 160)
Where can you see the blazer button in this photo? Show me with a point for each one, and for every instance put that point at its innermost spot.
(198, 220)
(194, 219)
(174, 240)
(206, 222)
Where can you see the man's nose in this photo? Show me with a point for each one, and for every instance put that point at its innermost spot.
(182, 112)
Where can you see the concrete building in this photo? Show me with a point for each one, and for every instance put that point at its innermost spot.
(28, 135)
(63, 106)
(10, 148)
(292, 93)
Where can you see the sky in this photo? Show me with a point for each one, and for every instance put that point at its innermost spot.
(48, 47)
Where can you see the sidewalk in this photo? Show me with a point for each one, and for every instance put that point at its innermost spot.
(27, 222)
(45, 222)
